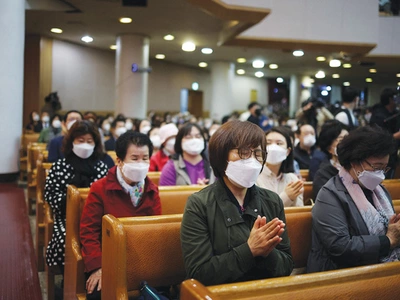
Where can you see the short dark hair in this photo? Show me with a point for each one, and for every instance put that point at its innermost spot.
(55, 116)
(349, 94)
(71, 111)
(116, 120)
(231, 135)
(287, 164)
(386, 95)
(252, 104)
(132, 138)
(329, 133)
(364, 142)
(183, 131)
(78, 129)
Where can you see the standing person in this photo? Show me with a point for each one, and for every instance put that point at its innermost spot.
(346, 115)
(233, 230)
(189, 164)
(167, 135)
(278, 174)
(126, 191)
(80, 167)
(304, 150)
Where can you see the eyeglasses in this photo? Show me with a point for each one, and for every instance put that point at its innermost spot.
(245, 153)
(376, 168)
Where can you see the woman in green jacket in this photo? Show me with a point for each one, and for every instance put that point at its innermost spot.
(232, 230)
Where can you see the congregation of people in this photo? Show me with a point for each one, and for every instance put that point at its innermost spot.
(249, 164)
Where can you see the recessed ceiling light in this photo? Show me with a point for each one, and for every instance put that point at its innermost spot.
(398, 75)
(335, 76)
(328, 88)
(324, 93)
(320, 74)
(258, 64)
(273, 66)
(241, 60)
(312, 80)
(259, 74)
(56, 30)
(87, 39)
(372, 70)
(169, 37)
(368, 79)
(335, 63)
(160, 56)
(347, 66)
(195, 86)
(346, 83)
(188, 46)
(240, 72)
(298, 53)
(279, 80)
(398, 83)
(206, 50)
(113, 47)
(203, 64)
(125, 20)
(321, 58)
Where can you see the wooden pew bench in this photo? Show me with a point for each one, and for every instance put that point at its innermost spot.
(155, 177)
(393, 187)
(308, 193)
(304, 174)
(26, 138)
(34, 150)
(173, 198)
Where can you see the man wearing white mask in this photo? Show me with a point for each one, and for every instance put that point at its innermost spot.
(304, 150)
(167, 134)
(117, 128)
(45, 118)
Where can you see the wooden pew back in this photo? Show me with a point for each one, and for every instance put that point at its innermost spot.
(393, 187)
(155, 177)
(173, 198)
(308, 193)
(304, 174)
(113, 155)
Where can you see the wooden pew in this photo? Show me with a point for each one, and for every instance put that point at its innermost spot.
(304, 174)
(23, 152)
(34, 150)
(155, 177)
(378, 281)
(308, 193)
(393, 186)
(113, 155)
(173, 198)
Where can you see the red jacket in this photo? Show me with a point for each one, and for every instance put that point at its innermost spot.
(158, 161)
(106, 196)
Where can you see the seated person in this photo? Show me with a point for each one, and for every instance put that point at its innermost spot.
(81, 167)
(332, 133)
(154, 135)
(277, 174)
(189, 164)
(47, 134)
(34, 122)
(353, 220)
(304, 150)
(144, 126)
(117, 128)
(233, 230)
(126, 191)
(167, 135)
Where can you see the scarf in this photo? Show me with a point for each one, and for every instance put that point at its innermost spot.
(135, 192)
(84, 170)
(376, 218)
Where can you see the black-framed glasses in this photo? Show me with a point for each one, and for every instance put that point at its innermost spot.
(246, 153)
(376, 168)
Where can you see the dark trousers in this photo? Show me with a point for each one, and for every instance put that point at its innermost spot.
(95, 295)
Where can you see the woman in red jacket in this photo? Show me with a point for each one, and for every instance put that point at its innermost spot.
(125, 192)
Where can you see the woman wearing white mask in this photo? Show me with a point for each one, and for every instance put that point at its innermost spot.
(126, 191)
(144, 126)
(278, 174)
(189, 164)
(167, 134)
(80, 167)
(154, 135)
(50, 132)
(233, 230)
(34, 124)
(353, 221)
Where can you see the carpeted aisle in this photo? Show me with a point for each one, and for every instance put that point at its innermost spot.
(18, 271)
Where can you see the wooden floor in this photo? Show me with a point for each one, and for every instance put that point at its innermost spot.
(18, 271)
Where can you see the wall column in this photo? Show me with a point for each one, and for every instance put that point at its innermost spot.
(12, 27)
(294, 95)
(131, 87)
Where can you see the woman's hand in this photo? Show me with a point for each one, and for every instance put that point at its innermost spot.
(393, 231)
(264, 237)
(203, 181)
(293, 189)
(93, 280)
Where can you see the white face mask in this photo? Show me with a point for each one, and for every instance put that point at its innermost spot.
(169, 146)
(128, 125)
(69, 125)
(135, 172)
(156, 141)
(106, 127)
(120, 131)
(145, 129)
(367, 117)
(36, 118)
(46, 119)
(309, 140)
(275, 154)
(193, 146)
(370, 179)
(56, 123)
(243, 172)
(84, 150)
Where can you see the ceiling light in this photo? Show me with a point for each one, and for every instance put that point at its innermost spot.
(320, 74)
(125, 20)
(56, 30)
(160, 56)
(312, 80)
(273, 66)
(258, 64)
(279, 80)
(169, 37)
(335, 63)
(206, 50)
(113, 47)
(398, 75)
(346, 83)
(335, 76)
(87, 39)
(321, 58)
(347, 66)
(240, 72)
(195, 86)
(203, 64)
(298, 53)
(324, 93)
(259, 74)
(188, 46)
(398, 83)
(328, 88)
(368, 79)
(372, 70)
(241, 60)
